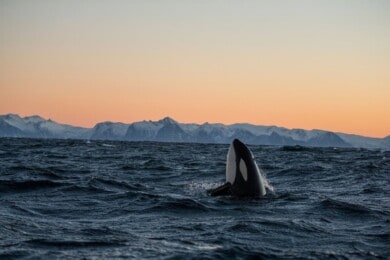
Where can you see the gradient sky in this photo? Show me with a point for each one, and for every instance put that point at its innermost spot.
(297, 64)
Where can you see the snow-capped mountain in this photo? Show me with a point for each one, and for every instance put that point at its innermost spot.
(108, 131)
(37, 127)
(169, 130)
(165, 130)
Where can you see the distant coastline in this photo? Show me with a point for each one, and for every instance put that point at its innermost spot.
(169, 130)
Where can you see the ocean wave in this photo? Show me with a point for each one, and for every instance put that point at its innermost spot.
(245, 227)
(44, 242)
(112, 185)
(50, 172)
(345, 207)
(156, 164)
(27, 185)
(13, 254)
(179, 205)
(84, 188)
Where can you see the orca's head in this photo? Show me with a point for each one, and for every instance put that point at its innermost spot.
(242, 171)
(238, 159)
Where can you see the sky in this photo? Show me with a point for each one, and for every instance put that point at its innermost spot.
(296, 64)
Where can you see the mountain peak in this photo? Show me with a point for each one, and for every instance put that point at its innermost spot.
(12, 116)
(34, 118)
(168, 120)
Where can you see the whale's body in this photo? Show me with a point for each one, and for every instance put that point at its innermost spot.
(243, 177)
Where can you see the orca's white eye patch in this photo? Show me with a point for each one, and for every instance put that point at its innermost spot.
(243, 170)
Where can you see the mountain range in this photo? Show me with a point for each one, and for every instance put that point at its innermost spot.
(169, 130)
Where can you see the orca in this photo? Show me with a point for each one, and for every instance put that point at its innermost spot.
(243, 177)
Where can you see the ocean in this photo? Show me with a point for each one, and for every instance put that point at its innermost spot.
(73, 199)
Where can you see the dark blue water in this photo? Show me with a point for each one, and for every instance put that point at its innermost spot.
(78, 199)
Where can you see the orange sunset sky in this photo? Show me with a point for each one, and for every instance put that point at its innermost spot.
(297, 64)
